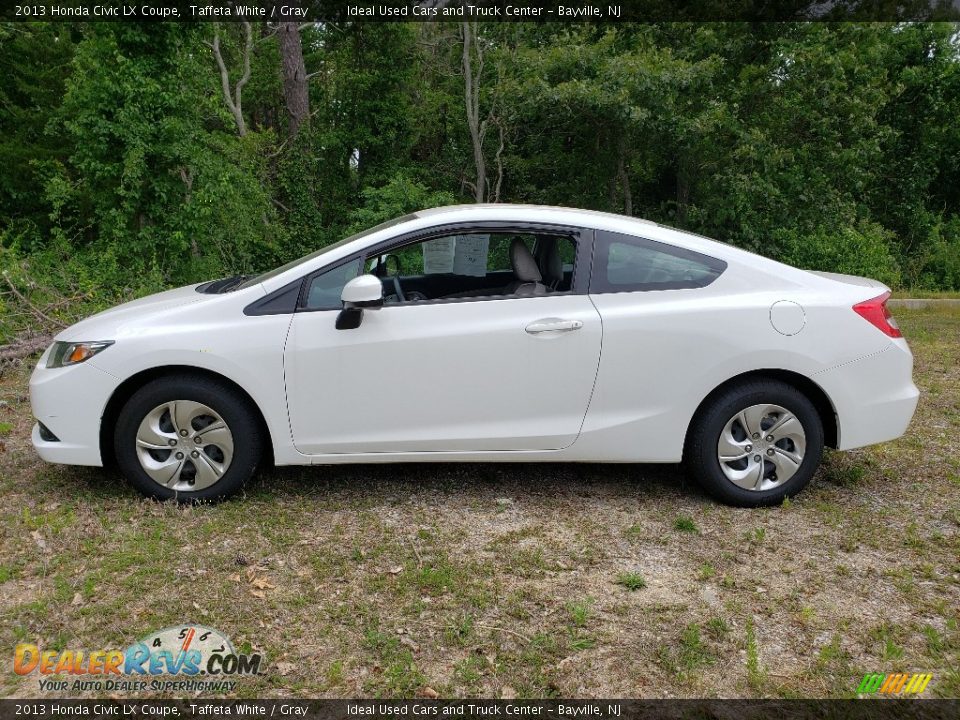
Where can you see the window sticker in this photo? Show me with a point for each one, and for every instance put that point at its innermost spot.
(471, 255)
(438, 255)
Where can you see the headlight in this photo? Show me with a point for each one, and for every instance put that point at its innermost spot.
(72, 353)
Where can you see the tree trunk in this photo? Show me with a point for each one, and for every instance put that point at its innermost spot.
(296, 93)
(471, 96)
(234, 101)
(683, 189)
(624, 177)
(25, 347)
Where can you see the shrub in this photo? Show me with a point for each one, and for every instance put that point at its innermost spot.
(864, 249)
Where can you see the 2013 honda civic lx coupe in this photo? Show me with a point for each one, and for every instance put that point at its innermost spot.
(485, 333)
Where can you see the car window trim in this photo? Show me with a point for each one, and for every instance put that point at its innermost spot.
(605, 238)
(307, 280)
(579, 283)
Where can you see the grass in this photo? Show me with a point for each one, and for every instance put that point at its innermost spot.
(526, 580)
(685, 524)
(631, 581)
(926, 294)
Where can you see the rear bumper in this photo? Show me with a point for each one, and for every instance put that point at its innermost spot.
(874, 397)
(70, 402)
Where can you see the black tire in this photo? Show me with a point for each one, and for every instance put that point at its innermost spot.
(700, 455)
(232, 407)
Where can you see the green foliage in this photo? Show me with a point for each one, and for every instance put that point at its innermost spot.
(399, 196)
(866, 249)
(631, 581)
(939, 265)
(153, 183)
(34, 62)
(830, 146)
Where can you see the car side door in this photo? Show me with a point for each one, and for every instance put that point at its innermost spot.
(480, 370)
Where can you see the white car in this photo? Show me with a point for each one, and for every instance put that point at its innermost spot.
(485, 333)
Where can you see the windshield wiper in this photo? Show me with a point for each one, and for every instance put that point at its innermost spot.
(216, 287)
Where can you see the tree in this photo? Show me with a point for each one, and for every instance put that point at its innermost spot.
(232, 95)
(296, 91)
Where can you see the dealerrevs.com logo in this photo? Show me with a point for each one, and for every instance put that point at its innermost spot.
(183, 657)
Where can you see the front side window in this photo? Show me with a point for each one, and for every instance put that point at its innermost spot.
(476, 264)
(323, 291)
(625, 263)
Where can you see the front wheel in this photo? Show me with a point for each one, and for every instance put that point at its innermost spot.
(189, 438)
(755, 444)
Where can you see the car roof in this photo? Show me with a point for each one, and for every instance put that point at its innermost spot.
(594, 219)
(492, 210)
(547, 215)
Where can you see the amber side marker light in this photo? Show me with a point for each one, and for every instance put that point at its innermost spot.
(73, 353)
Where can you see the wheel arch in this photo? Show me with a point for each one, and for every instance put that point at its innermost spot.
(813, 392)
(125, 390)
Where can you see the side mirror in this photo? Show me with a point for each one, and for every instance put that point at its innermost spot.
(365, 291)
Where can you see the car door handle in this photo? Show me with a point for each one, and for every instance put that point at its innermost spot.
(553, 325)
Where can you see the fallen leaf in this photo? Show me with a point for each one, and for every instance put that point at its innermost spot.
(508, 693)
(38, 539)
(396, 570)
(258, 594)
(262, 584)
(77, 599)
(429, 692)
(285, 668)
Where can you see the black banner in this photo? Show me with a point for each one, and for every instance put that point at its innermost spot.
(442, 709)
(476, 10)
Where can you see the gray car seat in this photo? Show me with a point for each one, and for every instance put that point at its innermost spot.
(550, 262)
(526, 274)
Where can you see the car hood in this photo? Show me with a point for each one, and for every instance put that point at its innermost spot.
(105, 325)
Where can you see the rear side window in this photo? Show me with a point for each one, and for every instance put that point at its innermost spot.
(625, 263)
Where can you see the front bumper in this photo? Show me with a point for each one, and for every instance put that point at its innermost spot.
(70, 402)
(874, 397)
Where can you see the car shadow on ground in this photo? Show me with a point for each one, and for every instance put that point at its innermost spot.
(386, 484)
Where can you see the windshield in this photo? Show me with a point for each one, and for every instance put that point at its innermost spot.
(317, 253)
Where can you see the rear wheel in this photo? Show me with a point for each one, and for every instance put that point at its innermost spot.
(755, 444)
(188, 438)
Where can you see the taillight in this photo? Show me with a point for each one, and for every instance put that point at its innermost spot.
(875, 312)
